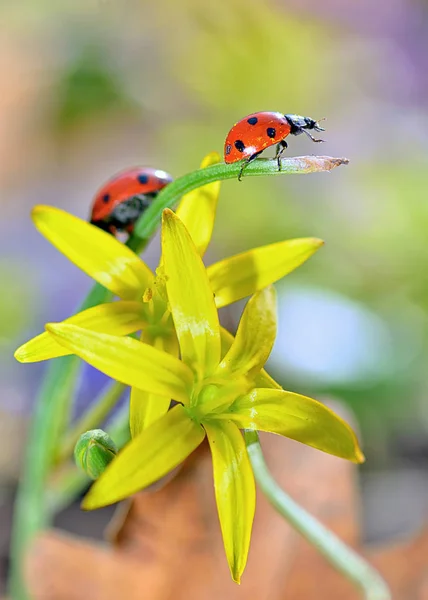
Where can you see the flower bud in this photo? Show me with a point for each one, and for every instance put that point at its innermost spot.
(94, 451)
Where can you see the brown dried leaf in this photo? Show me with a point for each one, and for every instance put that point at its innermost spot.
(167, 544)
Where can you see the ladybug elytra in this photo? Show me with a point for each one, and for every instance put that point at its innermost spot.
(120, 202)
(251, 135)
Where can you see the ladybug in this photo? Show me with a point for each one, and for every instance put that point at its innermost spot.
(119, 203)
(254, 133)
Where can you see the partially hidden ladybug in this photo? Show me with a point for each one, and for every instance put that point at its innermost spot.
(120, 202)
(251, 135)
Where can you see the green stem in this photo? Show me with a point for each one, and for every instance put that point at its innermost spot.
(30, 511)
(91, 419)
(343, 558)
(52, 405)
(172, 193)
(68, 483)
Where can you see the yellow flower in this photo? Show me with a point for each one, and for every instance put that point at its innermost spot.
(217, 394)
(143, 305)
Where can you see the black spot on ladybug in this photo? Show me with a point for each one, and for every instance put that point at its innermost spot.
(239, 145)
(252, 120)
(106, 198)
(143, 179)
(228, 149)
(271, 131)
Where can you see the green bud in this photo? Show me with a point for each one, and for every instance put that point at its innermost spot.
(94, 451)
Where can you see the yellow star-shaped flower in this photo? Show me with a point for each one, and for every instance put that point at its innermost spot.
(217, 394)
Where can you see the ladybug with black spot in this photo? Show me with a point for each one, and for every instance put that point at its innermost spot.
(250, 136)
(122, 200)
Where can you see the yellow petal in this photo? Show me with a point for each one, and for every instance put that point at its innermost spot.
(127, 360)
(243, 274)
(262, 379)
(197, 208)
(147, 458)
(255, 336)
(190, 297)
(115, 318)
(96, 252)
(297, 417)
(145, 408)
(234, 490)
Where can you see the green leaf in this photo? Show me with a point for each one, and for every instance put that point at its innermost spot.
(147, 458)
(235, 492)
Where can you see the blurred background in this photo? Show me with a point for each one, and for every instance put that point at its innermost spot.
(88, 88)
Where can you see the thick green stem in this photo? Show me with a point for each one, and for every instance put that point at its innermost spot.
(91, 418)
(52, 406)
(172, 193)
(343, 558)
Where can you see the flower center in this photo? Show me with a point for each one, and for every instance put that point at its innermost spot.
(216, 395)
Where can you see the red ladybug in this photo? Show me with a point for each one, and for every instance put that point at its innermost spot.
(253, 134)
(119, 203)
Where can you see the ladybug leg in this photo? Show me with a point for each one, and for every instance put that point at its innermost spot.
(311, 136)
(280, 149)
(247, 162)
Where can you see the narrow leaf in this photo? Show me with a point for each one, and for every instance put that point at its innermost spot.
(147, 458)
(234, 490)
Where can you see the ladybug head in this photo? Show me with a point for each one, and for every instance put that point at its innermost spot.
(300, 125)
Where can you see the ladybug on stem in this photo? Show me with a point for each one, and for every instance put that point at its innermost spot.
(120, 202)
(251, 135)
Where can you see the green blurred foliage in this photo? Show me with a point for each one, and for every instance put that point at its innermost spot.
(15, 304)
(89, 88)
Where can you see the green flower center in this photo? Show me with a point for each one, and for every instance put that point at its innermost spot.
(216, 395)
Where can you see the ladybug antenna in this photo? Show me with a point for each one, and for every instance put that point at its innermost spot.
(311, 124)
(317, 124)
